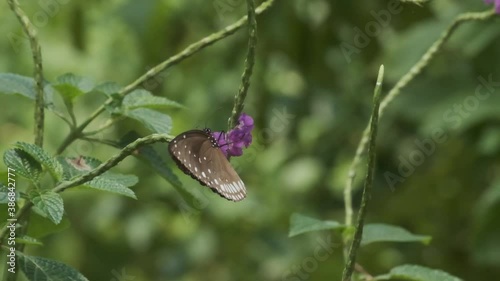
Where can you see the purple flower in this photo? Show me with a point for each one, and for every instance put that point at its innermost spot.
(232, 142)
(497, 4)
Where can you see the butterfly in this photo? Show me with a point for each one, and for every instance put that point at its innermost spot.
(198, 154)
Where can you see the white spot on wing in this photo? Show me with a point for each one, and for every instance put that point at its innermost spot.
(203, 174)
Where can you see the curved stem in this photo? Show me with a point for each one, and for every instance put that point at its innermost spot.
(105, 166)
(396, 90)
(189, 51)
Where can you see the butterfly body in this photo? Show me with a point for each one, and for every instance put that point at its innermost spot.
(197, 153)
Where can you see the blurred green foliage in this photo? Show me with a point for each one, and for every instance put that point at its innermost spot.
(295, 165)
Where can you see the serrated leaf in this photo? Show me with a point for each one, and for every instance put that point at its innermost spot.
(42, 269)
(301, 224)
(115, 183)
(49, 203)
(41, 226)
(141, 98)
(389, 233)
(28, 240)
(23, 164)
(153, 120)
(42, 157)
(71, 86)
(11, 83)
(75, 166)
(417, 273)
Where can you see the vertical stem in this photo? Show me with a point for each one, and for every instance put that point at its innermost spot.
(174, 60)
(36, 50)
(358, 234)
(396, 90)
(30, 31)
(239, 99)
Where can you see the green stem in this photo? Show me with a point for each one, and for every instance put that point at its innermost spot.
(358, 234)
(239, 99)
(30, 31)
(111, 162)
(396, 90)
(39, 117)
(189, 51)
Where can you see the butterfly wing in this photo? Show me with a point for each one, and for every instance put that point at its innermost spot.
(196, 153)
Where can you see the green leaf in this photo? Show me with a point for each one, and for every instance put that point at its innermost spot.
(486, 249)
(42, 269)
(71, 86)
(111, 90)
(389, 233)
(49, 203)
(108, 88)
(301, 224)
(23, 164)
(4, 192)
(141, 98)
(75, 166)
(41, 226)
(28, 240)
(417, 273)
(4, 214)
(43, 158)
(115, 183)
(153, 120)
(111, 182)
(150, 156)
(22, 85)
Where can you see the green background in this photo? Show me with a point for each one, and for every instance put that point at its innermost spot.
(294, 165)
